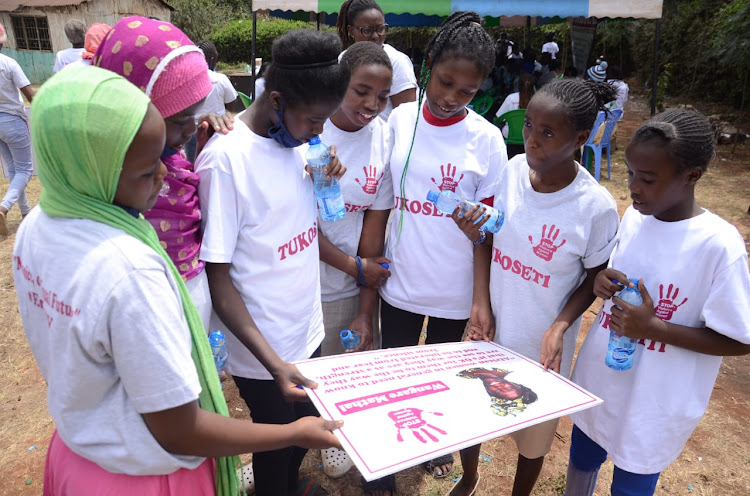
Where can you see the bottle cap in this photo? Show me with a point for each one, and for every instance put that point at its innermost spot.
(385, 265)
(216, 338)
(634, 281)
(346, 334)
(432, 196)
(315, 140)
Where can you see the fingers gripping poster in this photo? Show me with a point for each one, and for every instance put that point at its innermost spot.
(404, 406)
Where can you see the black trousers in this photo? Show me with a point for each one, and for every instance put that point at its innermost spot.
(402, 328)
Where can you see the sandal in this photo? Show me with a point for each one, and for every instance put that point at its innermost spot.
(308, 487)
(433, 466)
(336, 463)
(479, 477)
(387, 483)
(246, 478)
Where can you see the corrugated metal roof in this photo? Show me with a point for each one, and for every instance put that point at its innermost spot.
(11, 5)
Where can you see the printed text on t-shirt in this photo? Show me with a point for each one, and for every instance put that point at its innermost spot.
(448, 175)
(546, 248)
(371, 183)
(526, 272)
(47, 300)
(299, 242)
(417, 207)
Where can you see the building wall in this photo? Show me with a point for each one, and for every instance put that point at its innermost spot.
(38, 65)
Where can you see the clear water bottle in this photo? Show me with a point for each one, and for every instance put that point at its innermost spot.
(350, 339)
(218, 349)
(327, 192)
(447, 201)
(621, 349)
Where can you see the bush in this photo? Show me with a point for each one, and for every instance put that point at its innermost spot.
(234, 39)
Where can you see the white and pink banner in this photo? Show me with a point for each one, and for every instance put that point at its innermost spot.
(404, 406)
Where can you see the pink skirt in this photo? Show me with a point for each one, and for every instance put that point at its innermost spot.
(68, 474)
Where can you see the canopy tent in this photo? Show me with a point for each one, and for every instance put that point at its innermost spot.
(643, 9)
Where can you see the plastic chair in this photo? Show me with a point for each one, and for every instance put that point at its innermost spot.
(596, 147)
(514, 119)
(483, 102)
(246, 100)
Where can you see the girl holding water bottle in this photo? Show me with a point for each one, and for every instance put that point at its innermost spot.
(692, 272)
(260, 239)
(537, 275)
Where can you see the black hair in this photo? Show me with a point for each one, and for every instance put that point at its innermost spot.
(461, 36)
(582, 100)
(210, 52)
(263, 68)
(571, 72)
(554, 64)
(614, 72)
(549, 37)
(365, 53)
(350, 10)
(686, 134)
(305, 68)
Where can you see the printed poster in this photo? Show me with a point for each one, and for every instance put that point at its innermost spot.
(405, 406)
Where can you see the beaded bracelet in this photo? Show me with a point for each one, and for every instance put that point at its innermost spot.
(360, 275)
(482, 237)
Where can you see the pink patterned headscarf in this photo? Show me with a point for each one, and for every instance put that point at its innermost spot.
(159, 59)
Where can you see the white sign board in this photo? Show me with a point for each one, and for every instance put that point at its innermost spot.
(404, 406)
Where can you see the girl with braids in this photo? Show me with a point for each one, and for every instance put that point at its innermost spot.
(260, 246)
(696, 263)
(560, 229)
(133, 389)
(438, 144)
(363, 20)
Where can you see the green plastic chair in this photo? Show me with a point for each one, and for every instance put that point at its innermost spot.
(482, 102)
(246, 100)
(514, 119)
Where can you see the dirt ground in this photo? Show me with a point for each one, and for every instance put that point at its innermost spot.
(715, 462)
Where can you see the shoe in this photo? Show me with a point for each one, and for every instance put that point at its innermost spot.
(479, 477)
(336, 463)
(246, 477)
(4, 224)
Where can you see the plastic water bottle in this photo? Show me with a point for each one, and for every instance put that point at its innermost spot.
(621, 349)
(447, 201)
(218, 349)
(350, 339)
(328, 192)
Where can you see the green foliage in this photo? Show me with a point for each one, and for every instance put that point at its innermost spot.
(731, 41)
(234, 39)
(199, 18)
(662, 86)
(613, 40)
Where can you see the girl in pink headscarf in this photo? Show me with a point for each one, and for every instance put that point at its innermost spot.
(162, 61)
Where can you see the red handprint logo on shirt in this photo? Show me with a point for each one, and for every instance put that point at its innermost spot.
(371, 184)
(546, 247)
(449, 178)
(666, 307)
(411, 418)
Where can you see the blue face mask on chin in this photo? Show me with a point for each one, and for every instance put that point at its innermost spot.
(280, 134)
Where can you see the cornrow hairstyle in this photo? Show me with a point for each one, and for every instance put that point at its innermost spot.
(581, 99)
(350, 10)
(210, 52)
(305, 68)
(365, 53)
(686, 134)
(460, 36)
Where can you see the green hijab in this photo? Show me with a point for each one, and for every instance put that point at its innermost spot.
(82, 122)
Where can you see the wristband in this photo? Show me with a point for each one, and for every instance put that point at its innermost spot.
(360, 275)
(482, 237)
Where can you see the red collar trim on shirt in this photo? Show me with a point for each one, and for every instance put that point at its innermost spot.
(435, 121)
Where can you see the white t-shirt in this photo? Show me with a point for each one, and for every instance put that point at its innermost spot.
(552, 48)
(432, 260)
(365, 186)
(260, 216)
(511, 102)
(67, 56)
(79, 62)
(403, 76)
(12, 79)
(110, 348)
(260, 85)
(540, 256)
(696, 272)
(222, 92)
(622, 94)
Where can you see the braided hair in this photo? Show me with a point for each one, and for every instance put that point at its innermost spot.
(460, 36)
(305, 68)
(350, 10)
(581, 99)
(210, 52)
(686, 134)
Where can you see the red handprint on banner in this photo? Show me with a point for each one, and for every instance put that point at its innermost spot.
(666, 307)
(546, 247)
(371, 184)
(411, 418)
(449, 178)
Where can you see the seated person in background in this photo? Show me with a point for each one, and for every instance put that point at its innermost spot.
(614, 77)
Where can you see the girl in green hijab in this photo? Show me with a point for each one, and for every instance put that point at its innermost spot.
(132, 386)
